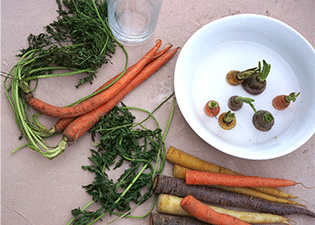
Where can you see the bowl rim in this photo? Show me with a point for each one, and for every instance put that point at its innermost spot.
(216, 145)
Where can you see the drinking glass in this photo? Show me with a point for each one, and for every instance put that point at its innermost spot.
(133, 21)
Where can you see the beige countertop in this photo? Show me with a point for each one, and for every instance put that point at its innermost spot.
(37, 191)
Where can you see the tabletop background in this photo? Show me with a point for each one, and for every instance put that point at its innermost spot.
(38, 191)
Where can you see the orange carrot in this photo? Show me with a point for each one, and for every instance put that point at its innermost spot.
(155, 56)
(206, 214)
(62, 123)
(83, 123)
(227, 120)
(212, 108)
(282, 102)
(96, 100)
(193, 177)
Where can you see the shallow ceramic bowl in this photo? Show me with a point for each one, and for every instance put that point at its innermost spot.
(239, 42)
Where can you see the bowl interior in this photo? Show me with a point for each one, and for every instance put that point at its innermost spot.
(238, 43)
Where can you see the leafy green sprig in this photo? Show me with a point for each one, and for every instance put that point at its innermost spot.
(78, 39)
(123, 141)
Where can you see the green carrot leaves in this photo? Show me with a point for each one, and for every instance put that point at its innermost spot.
(122, 141)
(78, 42)
(78, 39)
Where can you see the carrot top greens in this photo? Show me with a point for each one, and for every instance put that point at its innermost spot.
(264, 71)
(122, 141)
(228, 117)
(79, 41)
(291, 97)
(213, 104)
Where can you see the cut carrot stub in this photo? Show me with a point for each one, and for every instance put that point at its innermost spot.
(204, 213)
(209, 178)
(212, 108)
(282, 102)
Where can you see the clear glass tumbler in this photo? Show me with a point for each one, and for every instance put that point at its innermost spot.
(133, 21)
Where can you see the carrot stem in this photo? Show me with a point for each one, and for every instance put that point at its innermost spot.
(60, 74)
(161, 154)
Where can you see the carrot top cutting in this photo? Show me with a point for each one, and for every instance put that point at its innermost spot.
(204, 213)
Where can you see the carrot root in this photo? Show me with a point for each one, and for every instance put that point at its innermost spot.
(179, 172)
(95, 101)
(83, 123)
(177, 187)
(170, 204)
(204, 213)
(193, 177)
(179, 157)
(62, 123)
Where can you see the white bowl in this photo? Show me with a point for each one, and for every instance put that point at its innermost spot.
(239, 42)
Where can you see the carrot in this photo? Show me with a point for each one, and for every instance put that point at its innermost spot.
(282, 102)
(206, 214)
(212, 108)
(179, 172)
(235, 77)
(227, 120)
(96, 100)
(155, 56)
(61, 125)
(194, 177)
(64, 122)
(177, 187)
(83, 123)
(170, 204)
(179, 157)
(158, 219)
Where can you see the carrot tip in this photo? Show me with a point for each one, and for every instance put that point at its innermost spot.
(305, 185)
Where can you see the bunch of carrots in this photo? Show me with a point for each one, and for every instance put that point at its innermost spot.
(75, 120)
(197, 184)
